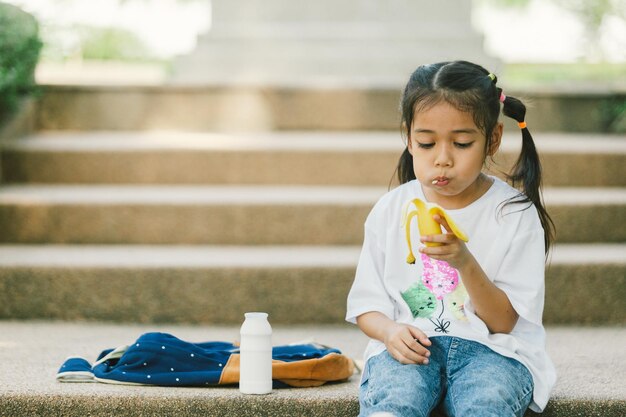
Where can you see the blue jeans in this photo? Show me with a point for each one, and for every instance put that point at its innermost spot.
(463, 377)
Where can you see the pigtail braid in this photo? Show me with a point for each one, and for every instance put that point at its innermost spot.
(526, 173)
(404, 169)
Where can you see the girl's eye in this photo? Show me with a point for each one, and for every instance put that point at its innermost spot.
(425, 145)
(463, 145)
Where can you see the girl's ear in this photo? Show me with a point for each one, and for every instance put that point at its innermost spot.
(496, 139)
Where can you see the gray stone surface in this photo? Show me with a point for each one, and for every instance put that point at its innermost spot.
(590, 363)
(185, 256)
(264, 214)
(330, 158)
(179, 256)
(585, 284)
(22, 122)
(262, 108)
(306, 141)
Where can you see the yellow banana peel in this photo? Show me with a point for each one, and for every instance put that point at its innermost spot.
(427, 224)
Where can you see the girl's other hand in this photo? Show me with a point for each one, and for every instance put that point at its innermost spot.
(406, 344)
(452, 249)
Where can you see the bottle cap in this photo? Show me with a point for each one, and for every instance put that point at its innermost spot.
(255, 315)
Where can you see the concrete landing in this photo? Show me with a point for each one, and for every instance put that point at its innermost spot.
(590, 364)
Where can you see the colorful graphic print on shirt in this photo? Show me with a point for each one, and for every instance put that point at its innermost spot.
(439, 282)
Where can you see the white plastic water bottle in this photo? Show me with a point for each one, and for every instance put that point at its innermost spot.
(255, 365)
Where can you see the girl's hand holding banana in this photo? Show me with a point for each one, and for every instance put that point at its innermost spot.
(450, 248)
(430, 218)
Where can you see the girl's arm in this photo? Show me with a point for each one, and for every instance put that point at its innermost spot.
(404, 342)
(492, 304)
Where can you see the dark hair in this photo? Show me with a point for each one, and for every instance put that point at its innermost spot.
(471, 88)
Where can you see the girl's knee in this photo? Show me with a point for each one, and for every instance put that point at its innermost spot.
(402, 390)
(491, 385)
(491, 403)
(490, 399)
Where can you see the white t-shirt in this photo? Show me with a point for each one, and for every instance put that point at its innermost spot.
(507, 242)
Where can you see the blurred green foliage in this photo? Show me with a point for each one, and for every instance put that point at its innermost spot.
(19, 53)
(111, 44)
(593, 12)
(84, 42)
(566, 73)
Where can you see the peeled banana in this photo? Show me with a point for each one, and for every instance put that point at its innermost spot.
(426, 223)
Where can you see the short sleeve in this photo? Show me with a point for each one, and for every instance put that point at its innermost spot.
(521, 275)
(368, 292)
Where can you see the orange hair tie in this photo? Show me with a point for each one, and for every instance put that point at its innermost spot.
(522, 125)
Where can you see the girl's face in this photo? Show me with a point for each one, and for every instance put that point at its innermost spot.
(448, 152)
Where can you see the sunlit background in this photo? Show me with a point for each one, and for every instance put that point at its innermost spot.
(146, 35)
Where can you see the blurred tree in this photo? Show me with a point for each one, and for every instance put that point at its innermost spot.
(20, 46)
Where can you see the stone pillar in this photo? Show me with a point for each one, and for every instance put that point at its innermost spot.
(329, 42)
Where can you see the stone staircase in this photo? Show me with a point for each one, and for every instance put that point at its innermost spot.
(185, 231)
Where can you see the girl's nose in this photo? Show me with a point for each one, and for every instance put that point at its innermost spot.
(443, 158)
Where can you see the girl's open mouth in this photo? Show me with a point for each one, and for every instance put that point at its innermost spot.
(440, 181)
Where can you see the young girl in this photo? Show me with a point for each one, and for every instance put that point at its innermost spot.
(456, 325)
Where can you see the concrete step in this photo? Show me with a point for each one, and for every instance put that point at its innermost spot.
(287, 158)
(590, 374)
(312, 107)
(238, 215)
(585, 284)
